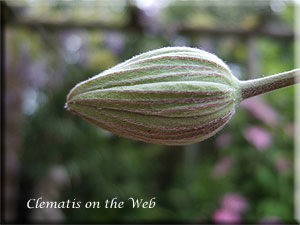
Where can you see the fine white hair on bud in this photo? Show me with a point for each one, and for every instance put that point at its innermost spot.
(169, 96)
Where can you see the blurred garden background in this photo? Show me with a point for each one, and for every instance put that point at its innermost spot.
(244, 174)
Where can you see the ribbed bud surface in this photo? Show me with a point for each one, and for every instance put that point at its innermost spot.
(170, 96)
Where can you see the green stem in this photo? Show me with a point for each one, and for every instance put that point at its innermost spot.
(262, 85)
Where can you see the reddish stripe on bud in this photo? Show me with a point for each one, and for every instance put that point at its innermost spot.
(178, 110)
(151, 101)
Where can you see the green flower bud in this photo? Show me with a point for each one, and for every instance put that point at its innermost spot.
(170, 96)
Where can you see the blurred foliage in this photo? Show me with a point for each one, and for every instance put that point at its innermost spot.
(111, 12)
(188, 182)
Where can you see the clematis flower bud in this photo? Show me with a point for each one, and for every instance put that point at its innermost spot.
(169, 96)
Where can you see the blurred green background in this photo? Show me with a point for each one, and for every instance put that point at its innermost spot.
(244, 174)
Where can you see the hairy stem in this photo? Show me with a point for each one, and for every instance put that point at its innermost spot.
(262, 85)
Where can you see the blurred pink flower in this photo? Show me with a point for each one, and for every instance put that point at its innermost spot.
(258, 137)
(234, 202)
(222, 167)
(226, 216)
(261, 110)
(282, 164)
(224, 140)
